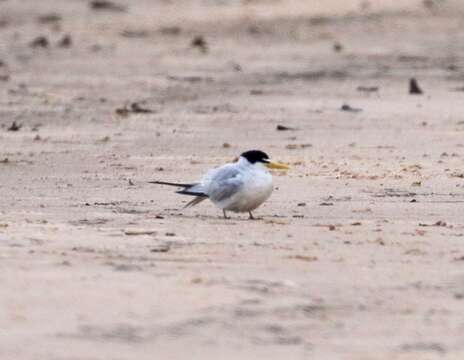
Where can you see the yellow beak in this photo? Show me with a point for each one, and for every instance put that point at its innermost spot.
(276, 166)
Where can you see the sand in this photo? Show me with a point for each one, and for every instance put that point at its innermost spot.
(358, 253)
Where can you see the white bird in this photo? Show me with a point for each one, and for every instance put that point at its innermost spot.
(241, 186)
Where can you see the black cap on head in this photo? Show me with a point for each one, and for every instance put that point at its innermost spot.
(254, 156)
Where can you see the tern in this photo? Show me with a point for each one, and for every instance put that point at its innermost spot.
(241, 186)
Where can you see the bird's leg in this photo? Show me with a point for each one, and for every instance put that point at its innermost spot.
(225, 215)
(251, 216)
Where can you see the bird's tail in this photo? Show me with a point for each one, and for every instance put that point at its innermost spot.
(194, 189)
(171, 184)
(196, 201)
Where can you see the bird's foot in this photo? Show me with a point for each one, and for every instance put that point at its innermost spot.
(225, 215)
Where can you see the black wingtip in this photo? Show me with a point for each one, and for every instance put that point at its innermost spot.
(192, 193)
(170, 183)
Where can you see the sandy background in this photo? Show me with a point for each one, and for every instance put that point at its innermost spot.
(357, 255)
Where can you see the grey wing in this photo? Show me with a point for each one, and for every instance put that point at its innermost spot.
(224, 183)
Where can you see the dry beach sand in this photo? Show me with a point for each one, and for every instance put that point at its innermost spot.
(357, 255)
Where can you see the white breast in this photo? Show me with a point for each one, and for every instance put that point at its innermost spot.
(256, 189)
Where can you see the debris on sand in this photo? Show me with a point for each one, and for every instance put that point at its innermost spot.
(425, 347)
(284, 128)
(48, 18)
(191, 79)
(367, 89)
(106, 5)
(15, 126)
(200, 43)
(137, 109)
(236, 66)
(304, 258)
(254, 30)
(163, 248)
(135, 232)
(170, 30)
(337, 47)
(133, 108)
(439, 223)
(65, 41)
(40, 42)
(103, 140)
(124, 267)
(331, 227)
(414, 88)
(297, 146)
(122, 111)
(135, 34)
(391, 192)
(346, 107)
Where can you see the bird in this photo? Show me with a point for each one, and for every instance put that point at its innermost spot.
(240, 186)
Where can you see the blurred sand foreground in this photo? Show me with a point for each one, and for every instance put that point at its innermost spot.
(359, 253)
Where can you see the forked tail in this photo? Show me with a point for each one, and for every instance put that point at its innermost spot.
(171, 184)
(188, 189)
(196, 201)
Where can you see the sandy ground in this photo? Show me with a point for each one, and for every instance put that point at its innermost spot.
(357, 255)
